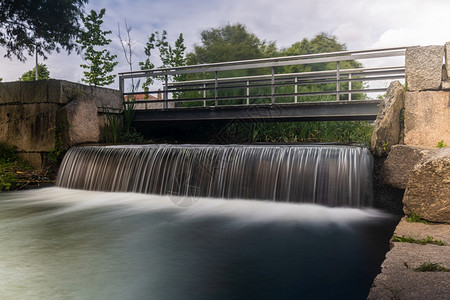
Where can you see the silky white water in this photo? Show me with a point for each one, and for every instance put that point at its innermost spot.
(69, 244)
(187, 222)
(321, 174)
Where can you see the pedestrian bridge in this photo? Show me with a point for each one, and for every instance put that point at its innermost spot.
(333, 86)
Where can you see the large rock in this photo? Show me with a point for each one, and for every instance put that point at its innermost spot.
(78, 122)
(428, 190)
(427, 118)
(388, 125)
(400, 163)
(424, 67)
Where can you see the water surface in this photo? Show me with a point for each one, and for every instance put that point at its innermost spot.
(69, 244)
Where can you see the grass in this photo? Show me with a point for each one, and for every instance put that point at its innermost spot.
(424, 241)
(431, 267)
(415, 218)
(441, 144)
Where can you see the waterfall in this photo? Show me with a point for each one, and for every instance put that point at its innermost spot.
(320, 174)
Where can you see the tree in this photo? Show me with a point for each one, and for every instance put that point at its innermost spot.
(127, 44)
(228, 43)
(99, 60)
(30, 75)
(171, 56)
(30, 26)
(147, 64)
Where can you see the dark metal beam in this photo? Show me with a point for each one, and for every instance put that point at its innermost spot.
(315, 111)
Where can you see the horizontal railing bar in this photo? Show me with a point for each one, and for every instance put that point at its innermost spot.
(280, 84)
(275, 63)
(243, 84)
(267, 96)
(292, 75)
(327, 80)
(263, 60)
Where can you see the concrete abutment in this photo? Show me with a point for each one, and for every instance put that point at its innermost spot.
(39, 116)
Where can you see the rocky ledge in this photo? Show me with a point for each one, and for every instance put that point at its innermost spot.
(429, 245)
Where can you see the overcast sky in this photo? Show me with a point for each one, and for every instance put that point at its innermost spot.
(360, 24)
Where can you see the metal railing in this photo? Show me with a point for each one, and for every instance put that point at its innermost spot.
(269, 81)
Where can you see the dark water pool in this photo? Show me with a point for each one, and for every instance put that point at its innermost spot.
(68, 244)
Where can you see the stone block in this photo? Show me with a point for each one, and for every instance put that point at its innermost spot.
(29, 127)
(424, 67)
(35, 159)
(78, 122)
(9, 92)
(54, 91)
(427, 118)
(428, 189)
(34, 91)
(400, 163)
(389, 124)
(108, 98)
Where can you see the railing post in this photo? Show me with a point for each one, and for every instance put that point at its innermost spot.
(248, 92)
(338, 74)
(216, 85)
(121, 84)
(350, 87)
(273, 86)
(166, 92)
(204, 94)
(295, 89)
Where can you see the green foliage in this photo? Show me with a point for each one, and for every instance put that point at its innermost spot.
(7, 179)
(57, 153)
(424, 241)
(228, 43)
(431, 267)
(112, 126)
(358, 132)
(415, 218)
(43, 73)
(320, 44)
(100, 62)
(441, 144)
(9, 160)
(147, 64)
(171, 56)
(132, 136)
(44, 26)
(8, 154)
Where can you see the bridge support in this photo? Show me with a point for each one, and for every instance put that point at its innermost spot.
(315, 111)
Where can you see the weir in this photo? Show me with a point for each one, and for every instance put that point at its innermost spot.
(332, 175)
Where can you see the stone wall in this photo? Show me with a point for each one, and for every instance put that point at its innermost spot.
(33, 115)
(427, 101)
(413, 121)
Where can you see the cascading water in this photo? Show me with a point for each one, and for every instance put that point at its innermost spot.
(111, 229)
(328, 175)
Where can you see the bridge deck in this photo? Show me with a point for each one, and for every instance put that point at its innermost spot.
(313, 111)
